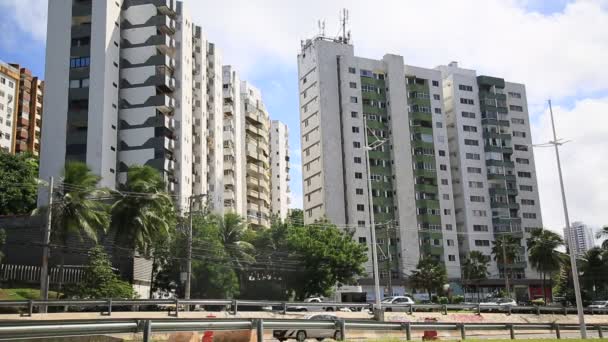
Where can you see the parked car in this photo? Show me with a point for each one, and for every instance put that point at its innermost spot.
(500, 302)
(599, 304)
(302, 334)
(312, 308)
(398, 300)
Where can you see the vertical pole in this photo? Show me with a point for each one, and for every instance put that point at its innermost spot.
(147, 331)
(504, 266)
(371, 219)
(463, 332)
(44, 270)
(558, 333)
(260, 330)
(408, 331)
(390, 261)
(511, 331)
(577, 287)
(342, 327)
(189, 255)
(600, 333)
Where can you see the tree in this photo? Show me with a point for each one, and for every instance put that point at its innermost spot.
(144, 211)
(100, 281)
(508, 254)
(603, 234)
(18, 183)
(475, 269)
(543, 254)
(430, 275)
(79, 211)
(326, 256)
(594, 268)
(2, 242)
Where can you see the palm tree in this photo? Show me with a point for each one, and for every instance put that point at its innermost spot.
(475, 269)
(508, 254)
(543, 255)
(594, 267)
(232, 232)
(144, 212)
(79, 211)
(603, 234)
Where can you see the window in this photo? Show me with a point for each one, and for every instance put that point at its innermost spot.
(446, 196)
(443, 167)
(518, 121)
(526, 188)
(522, 161)
(476, 185)
(450, 242)
(354, 114)
(519, 134)
(441, 153)
(11, 84)
(466, 101)
(435, 83)
(353, 85)
(82, 83)
(465, 87)
(469, 128)
(437, 110)
(358, 175)
(471, 142)
(353, 99)
(355, 129)
(520, 147)
(444, 182)
(359, 191)
(448, 227)
(357, 160)
(447, 211)
(480, 228)
(356, 144)
(361, 223)
(436, 97)
(473, 156)
(529, 215)
(527, 202)
(451, 257)
(514, 95)
(80, 62)
(516, 108)
(473, 169)
(360, 207)
(362, 239)
(480, 213)
(479, 199)
(3, 80)
(352, 70)
(469, 115)
(524, 174)
(482, 243)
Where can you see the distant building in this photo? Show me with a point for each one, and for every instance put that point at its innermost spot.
(582, 237)
(9, 90)
(279, 160)
(28, 121)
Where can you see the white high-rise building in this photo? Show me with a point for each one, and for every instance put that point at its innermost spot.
(279, 165)
(582, 237)
(134, 83)
(9, 98)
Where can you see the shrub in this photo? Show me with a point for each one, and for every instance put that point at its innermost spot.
(443, 300)
(457, 299)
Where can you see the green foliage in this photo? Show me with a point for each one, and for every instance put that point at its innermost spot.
(594, 267)
(18, 185)
(430, 275)
(603, 233)
(100, 281)
(144, 212)
(543, 254)
(2, 242)
(457, 299)
(538, 302)
(511, 249)
(475, 268)
(443, 300)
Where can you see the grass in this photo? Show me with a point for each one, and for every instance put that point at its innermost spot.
(23, 294)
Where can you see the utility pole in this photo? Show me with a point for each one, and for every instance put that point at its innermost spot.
(504, 265)
(44, 270)
(390, 261)
(577, 287)
(189, 251)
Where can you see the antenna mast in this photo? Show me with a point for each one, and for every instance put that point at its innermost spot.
(344, 21)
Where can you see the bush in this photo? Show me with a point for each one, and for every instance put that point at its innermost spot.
(443, 300)
(539, 302)
(457, 299)
(99, 280)
(434, 299)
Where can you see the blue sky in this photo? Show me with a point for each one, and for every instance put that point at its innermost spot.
(557, 48)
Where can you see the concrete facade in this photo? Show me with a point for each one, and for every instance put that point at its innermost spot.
(9, 103)
(580, 236)
(279, 166)
(28, 123)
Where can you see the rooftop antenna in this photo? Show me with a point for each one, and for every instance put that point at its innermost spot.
(321, 26)
(344, 20)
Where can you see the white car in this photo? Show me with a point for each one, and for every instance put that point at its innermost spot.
(501, 302)
(303, 334)
(599, 304)
(403, 300)
(306, 308)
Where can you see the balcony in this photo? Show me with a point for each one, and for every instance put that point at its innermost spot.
(163, 103)
(502, 191)
(496, 135)
(500, 149)
(496, 162)
(166, 7)
(430, 188)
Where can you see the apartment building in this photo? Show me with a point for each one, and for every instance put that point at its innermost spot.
(492, 162)
(375, 150)
(28, 122)
(279, 165)
(9, 93)
(580, 236)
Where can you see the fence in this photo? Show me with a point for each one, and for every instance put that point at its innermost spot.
(173, 306)
(48, 329)
(31, 274)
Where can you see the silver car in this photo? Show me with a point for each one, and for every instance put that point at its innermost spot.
(302, 334)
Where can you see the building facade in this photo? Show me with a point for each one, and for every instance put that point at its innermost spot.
(380, 145)
(580, 236)
(279, 165)
(9, 95)
(28, 123)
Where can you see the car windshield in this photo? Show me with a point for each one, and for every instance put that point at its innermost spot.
(388, 299)
(599, 302)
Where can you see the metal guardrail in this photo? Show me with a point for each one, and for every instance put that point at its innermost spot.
(16, 330)
(174, 306)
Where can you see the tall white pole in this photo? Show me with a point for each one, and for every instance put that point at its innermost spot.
(44, 270)
(371, 218)
(577, 287)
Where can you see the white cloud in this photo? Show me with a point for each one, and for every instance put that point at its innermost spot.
(584, 163)
(29, 16)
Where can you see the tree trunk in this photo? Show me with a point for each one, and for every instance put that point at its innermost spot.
(544, 292)
(60, 274)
